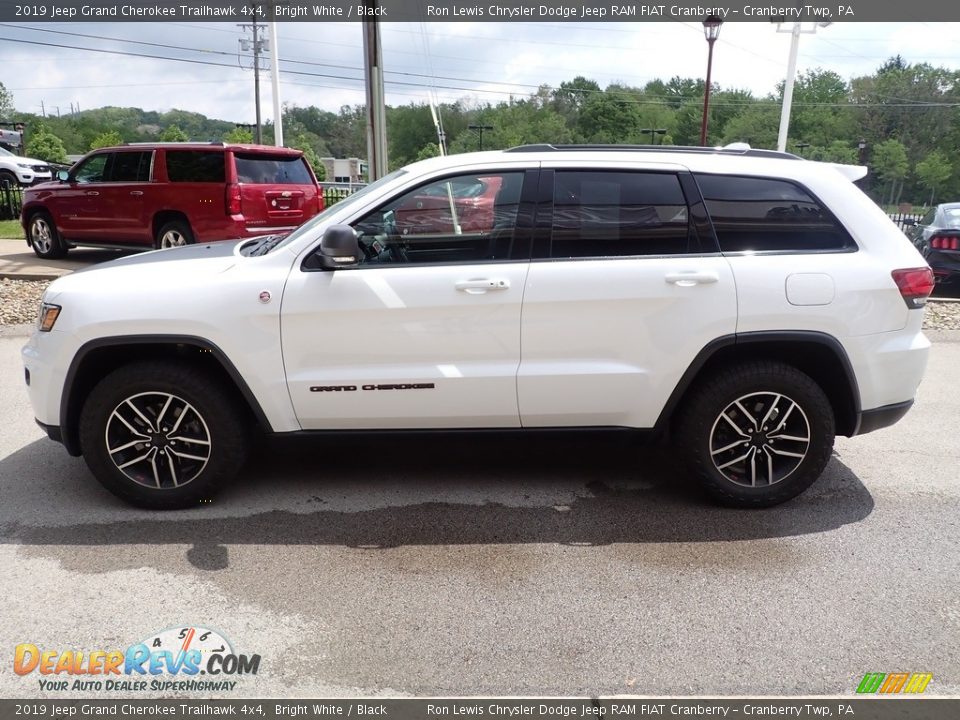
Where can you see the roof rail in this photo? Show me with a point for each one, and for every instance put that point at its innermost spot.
(734, 149)
(177, 142)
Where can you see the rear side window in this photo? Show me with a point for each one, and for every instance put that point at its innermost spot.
(615, 214)
(130, 167)
(753, 214)
(267, 170)
(195, 166)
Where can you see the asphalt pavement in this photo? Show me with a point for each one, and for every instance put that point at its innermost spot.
(504, 567)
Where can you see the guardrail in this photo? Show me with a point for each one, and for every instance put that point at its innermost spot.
(11, 200)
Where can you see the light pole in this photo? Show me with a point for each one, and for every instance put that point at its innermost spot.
(480, 129)
(795, 31)
(653, 132)
(711, 31)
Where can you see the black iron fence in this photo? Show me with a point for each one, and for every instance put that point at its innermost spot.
(11, 200)
(335, 192)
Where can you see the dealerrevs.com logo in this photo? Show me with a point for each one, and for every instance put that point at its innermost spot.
(177, 659)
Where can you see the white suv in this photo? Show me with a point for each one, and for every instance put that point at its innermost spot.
(751, 303)
(17, 170)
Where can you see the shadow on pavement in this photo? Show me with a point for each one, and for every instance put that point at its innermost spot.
(580, 491)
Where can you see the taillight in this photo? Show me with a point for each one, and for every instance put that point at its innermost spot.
(232, 199)
(940, 242)
(915, 285)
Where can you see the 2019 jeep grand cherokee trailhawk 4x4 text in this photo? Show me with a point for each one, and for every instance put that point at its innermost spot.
(755, 303)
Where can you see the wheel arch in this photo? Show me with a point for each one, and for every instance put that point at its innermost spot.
(818, 355)
(97, 358)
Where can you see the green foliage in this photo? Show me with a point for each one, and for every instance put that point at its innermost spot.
(238, 136)
(302, 142)
(106, 139)
(933, 171)
(44, 145)
(173, 133)
(6, 104)
(428, 151)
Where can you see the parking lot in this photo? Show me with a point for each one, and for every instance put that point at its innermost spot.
(492, 566)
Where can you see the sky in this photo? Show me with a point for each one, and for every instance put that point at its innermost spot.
(321, 63)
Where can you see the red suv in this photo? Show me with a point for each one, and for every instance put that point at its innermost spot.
(160, 195)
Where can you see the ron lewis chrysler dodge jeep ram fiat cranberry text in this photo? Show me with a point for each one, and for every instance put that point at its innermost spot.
(753, 303)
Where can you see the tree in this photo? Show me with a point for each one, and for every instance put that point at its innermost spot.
(106, 139)
(6, 103)
(173, 133)
(44, 145)
(239, 136)
(890, 164)
(302, 142)
(933, 171)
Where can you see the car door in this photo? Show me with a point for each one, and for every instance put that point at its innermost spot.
(423, 332)
(625, 288)
(121, 207)
(75, 203)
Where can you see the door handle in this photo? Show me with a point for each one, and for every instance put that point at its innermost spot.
(136, 192)
(482, 285)
(92, 192)
(688, 279)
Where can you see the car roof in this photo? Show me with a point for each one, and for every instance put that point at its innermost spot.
(237, 147)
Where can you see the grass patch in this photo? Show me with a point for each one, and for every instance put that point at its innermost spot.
(11, 229)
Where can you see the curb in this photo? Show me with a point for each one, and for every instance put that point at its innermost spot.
(27, 276)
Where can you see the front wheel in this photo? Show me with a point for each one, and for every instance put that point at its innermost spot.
(161, 435)
(757, 434)
(174, 234)
(44, 237)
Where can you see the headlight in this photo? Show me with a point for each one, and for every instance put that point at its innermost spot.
(48, 316)
(24, 165)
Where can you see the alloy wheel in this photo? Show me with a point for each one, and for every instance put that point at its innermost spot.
(759, 439)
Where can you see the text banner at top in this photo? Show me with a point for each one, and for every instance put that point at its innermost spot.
(471, 11)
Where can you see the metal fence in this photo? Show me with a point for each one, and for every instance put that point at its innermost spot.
(900, 219)
(335, 192)
(11, 200)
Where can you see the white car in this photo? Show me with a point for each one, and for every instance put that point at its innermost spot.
(17, 170)
(751, 303)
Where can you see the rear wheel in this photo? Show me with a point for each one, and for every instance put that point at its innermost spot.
(757, 434)
(44, 237)
(173, 234)
(162, 436)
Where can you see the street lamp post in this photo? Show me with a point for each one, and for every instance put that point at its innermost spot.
(480, 129)
(711, 31)
(654, 132)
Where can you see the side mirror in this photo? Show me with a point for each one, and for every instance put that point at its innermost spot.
(339, 247)
(62, 175)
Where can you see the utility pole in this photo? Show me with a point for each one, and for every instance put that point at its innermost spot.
(376, 109)
(257, 45)
(275, 79)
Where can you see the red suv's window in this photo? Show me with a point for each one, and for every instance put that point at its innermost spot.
(195, 166)
(267, 170)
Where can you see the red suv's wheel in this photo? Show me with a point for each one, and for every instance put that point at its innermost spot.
(44, 238)
(174, 234)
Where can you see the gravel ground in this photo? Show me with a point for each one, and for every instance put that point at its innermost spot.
(19, 300)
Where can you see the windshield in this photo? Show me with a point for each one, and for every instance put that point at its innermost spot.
(308, 226)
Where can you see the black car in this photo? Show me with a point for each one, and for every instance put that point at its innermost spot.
(937, 237)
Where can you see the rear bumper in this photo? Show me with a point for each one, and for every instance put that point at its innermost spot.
(877, 418)
(53, 431)
(944, 264)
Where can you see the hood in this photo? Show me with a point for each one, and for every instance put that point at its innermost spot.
(18, 158)
(167, 269)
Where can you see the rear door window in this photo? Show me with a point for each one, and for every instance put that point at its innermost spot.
(616, 214)
(267, 170)
(752, 214)
(195, 166)
(130, 167)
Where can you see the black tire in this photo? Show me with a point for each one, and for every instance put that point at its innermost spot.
(202, 442)
(9, 178)
(175, 233)
(710, 435)
(45, 238)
